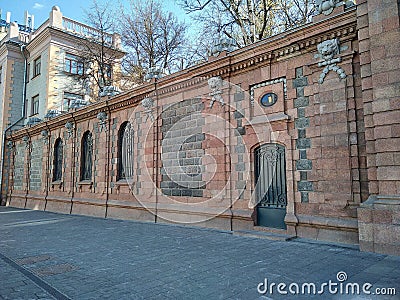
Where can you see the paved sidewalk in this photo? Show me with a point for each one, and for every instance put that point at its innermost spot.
(53, 256)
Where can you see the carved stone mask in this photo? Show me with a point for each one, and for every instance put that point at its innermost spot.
(215, 83)
(328, 49)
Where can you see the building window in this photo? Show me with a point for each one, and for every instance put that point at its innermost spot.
(58, 160)
(86, 156)
(125, 151)
(68, 98)
(37, 66)
(73, 64)
(268, 99)
(35, 105)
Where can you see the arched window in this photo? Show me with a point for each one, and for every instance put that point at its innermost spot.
(86, 156)
(58, 160)
(125, 151)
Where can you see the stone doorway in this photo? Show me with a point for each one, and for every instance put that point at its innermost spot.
(270, 178)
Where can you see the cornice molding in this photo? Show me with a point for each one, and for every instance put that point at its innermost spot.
(53, 32)
(284, 46)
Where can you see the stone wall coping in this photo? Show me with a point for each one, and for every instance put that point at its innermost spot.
(381, 201)
(85, 182)
(121, 182)
(58, 183)
(326, 222)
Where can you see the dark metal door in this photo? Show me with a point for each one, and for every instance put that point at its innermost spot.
(270, 176)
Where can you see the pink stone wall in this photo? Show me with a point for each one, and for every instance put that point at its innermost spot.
(193, 162)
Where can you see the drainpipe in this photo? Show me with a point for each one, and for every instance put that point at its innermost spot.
(230, 143)
(157, 158)
(28, 163)
(73, 171)
(108, 178)
(23, 49)
(48, 164)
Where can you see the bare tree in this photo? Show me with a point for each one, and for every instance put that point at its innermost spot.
(248, 21)
(99, 51)
(153, 38)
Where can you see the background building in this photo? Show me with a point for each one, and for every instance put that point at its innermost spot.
(43, 71)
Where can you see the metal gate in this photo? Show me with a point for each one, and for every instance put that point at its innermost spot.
(270, 178)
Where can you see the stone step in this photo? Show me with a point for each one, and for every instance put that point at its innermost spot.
(264, 235)
(269, 229)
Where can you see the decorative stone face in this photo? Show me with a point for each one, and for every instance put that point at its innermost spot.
(148, 104)
(224, 44)
(153, 73)
(33, 121)
(52, 113)
(70, 128)
(78, 103)
(102, 116)
(26, 141)
(215, 85)
(45, 135)
(327, 50)
(109, 91)
(326, 7)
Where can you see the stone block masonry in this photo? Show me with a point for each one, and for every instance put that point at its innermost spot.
(182, 149)
(19, 165)
(35, 170)
(304, 186)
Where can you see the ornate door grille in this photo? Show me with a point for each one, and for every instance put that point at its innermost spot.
(270, 176)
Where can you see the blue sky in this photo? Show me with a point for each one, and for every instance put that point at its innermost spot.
(70, 8)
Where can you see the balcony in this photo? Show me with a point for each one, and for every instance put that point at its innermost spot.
(84, 30)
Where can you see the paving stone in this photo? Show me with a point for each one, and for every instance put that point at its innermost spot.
(115, 259)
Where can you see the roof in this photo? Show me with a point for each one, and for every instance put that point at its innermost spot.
(23, 28)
